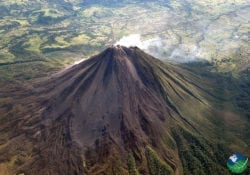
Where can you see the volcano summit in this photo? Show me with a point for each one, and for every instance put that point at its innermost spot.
(119, 112)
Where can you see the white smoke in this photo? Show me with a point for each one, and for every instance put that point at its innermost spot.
(131, 41)
(136, 40)
(157, 47)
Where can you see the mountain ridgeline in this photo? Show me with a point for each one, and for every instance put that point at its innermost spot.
(119, 112)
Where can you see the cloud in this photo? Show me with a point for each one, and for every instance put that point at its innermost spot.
(135, 40)
(157, 47)
(130, 41)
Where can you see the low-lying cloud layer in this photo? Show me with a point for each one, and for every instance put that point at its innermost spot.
(159, 49)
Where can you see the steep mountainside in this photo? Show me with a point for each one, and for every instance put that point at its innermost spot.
(119, 112)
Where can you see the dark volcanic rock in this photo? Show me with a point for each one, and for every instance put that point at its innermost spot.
(89, 118)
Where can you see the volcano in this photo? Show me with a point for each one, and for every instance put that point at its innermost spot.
(119, 112)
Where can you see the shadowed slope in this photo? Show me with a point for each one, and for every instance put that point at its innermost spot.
(120, 104)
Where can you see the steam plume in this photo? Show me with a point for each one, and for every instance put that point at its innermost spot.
(157, 48)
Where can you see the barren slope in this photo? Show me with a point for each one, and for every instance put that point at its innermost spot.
(119, 112)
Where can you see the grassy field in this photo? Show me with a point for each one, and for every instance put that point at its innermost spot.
(38, 38)
(218, 30)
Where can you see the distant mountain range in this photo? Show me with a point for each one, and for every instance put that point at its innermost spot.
(122, 112)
